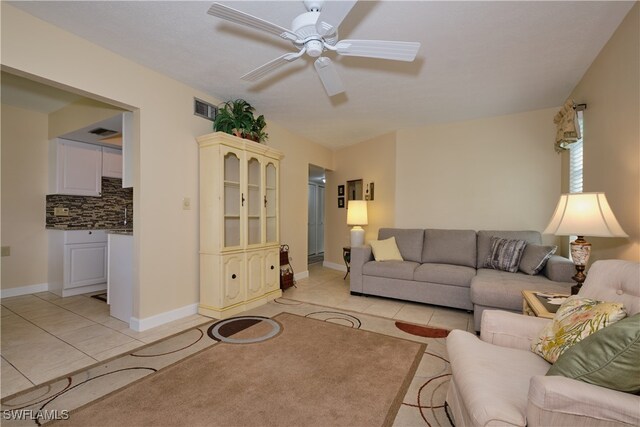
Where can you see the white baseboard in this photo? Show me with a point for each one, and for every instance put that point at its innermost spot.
(162, 318)
(24, 290)
(334, 266)
(302, 275)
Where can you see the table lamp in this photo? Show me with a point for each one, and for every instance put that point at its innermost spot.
(357, 216)
(583, 214)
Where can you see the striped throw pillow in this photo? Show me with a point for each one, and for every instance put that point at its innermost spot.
(505, 254)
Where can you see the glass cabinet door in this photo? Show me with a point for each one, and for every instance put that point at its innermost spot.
(271, 202)
(254, 210)
(232, 202)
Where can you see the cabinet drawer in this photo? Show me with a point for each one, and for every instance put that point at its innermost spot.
(84, 236)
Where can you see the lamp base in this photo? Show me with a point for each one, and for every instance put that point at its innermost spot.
(580, 253)
(357, 236)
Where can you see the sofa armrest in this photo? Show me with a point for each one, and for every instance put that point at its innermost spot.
(508, 329)
(359, 256)
(561, 401)
(559, 269)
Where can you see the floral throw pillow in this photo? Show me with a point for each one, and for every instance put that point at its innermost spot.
(575, 320)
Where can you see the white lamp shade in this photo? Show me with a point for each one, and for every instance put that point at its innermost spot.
(584, 214)
(357, 212)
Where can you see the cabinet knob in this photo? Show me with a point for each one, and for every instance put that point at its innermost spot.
(272, 267)
(91, 232)
(233, 276)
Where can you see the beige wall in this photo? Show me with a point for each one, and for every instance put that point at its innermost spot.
(24, 186)
(371, 161)
(494, 173)
(294, 177)
(611, 90)
(166, 236)
(79, 114)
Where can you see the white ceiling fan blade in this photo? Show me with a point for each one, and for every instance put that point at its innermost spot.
(233, 15)
(397, 51)
(329, 76)
(332, 14)
(265, 69)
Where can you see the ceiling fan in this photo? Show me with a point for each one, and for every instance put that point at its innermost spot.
(315, 32)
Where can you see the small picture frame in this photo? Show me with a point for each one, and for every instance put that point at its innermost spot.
(340, 202)
(341, 192)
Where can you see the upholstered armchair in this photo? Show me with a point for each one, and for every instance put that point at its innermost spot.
(498, 381)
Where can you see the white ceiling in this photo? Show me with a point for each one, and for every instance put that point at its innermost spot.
(477, 59)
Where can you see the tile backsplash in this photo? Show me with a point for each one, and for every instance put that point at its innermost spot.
(93, 212)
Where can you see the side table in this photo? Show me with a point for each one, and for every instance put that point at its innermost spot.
(532, 306)
(346, 256)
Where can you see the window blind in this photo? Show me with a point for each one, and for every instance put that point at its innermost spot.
(576, 161)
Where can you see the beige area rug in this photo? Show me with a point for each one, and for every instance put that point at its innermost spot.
(311, 373)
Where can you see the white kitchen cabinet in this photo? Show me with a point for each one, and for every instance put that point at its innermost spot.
(111, 162)
(239, 224)
(75, 168)
(77, 261)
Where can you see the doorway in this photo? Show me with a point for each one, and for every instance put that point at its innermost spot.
(316, 192)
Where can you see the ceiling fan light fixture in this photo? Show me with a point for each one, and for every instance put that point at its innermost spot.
(314, 48)
(314, 32)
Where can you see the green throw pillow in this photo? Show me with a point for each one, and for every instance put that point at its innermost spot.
(609, 358)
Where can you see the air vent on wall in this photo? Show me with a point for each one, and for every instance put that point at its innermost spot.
(103, 132)
(204, 109)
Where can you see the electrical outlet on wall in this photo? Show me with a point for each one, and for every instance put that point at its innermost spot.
(60, 211)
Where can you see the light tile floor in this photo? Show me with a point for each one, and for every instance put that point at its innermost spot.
(45, 336)
(327, 287)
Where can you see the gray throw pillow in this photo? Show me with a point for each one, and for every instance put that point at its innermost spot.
(505, 254)
(535, 257)
(608, 358)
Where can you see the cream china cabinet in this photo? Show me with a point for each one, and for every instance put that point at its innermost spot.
(239, 224)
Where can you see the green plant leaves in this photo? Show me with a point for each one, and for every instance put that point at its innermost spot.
(236, 118)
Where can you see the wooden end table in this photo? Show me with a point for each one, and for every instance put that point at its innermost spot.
(532, 306)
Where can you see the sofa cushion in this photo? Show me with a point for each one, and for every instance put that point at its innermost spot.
(484, 241)
(385, 250)
(535, 257)
(505, 254)
(391, 269)
(492, 381)
(445, 274)
(409, 241)
(608, 358)
(576, 319)
(500, 289)
(457, 247)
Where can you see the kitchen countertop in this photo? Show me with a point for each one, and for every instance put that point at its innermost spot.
(126, 231)
(121, 232)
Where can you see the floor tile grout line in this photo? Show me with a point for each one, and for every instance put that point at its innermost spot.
(78, 314)
(56, 336)
(18, 370)
(68, 343)
(91, 320)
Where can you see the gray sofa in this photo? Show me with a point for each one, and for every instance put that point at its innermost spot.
(445, 267)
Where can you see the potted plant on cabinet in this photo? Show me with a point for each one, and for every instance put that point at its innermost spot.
(236, 118)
